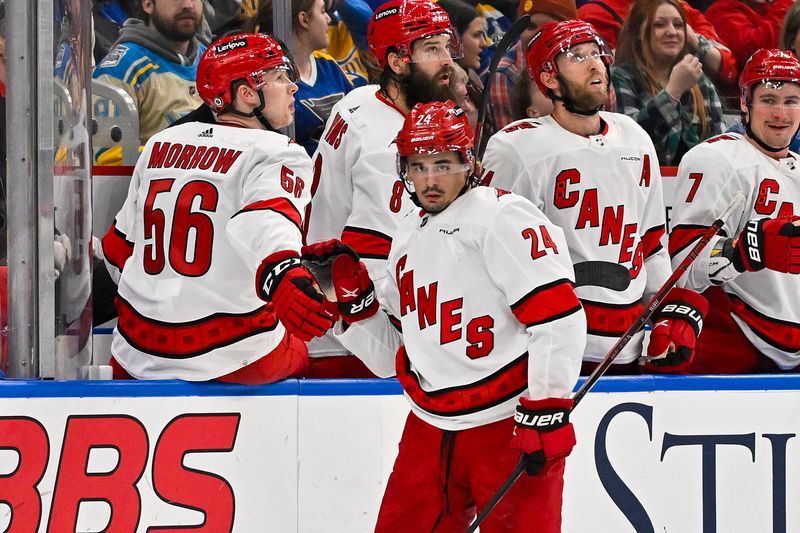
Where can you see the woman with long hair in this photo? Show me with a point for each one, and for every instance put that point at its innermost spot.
(321, 81)
(660, 84)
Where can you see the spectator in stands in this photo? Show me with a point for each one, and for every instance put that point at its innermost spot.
(347, 40)
(718, 61)
(155, 62)
(322, 81)
(508, 71)
(108, 17)
(790, 30)
(471, 28)
(747, 25)
(527, 101)
(660, 84)
(459, 83)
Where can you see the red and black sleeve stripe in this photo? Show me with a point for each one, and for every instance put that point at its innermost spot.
(282, 206)
(116, 247)
(547, 303)
(367, 243)
(651, 241)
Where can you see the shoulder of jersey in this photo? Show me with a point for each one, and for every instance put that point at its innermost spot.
(322, 55)
(523, 125)
(726, 146)
(121, 57)
(625, 124)
(488, 201)
(220, 133)
(359, 105)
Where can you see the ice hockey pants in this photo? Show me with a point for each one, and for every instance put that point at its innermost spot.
(440, 477)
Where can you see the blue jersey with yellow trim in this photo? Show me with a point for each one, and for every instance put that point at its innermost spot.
(164, 90)
(316, 97)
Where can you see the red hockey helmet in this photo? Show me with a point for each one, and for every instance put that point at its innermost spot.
(435, 127)
(398, 23)
(768, 66)
(555, 38)
(237, 57)
(432, 128)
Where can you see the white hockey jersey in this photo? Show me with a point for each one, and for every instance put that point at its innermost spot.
(357, 195)
(206, 204)
(765, 304)
(604, 191)
(482, 293)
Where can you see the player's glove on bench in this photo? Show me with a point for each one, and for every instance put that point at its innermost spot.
(543, 431)
(772, 243)
(301, 308)
(355, 292)
(678, 322)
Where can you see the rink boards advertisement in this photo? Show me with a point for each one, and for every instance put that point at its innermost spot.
(654, 454)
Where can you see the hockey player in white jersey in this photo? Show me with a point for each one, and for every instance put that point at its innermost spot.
(595, 174)
(356, 195)
(481, 285)
(751, 269)
(206, 246)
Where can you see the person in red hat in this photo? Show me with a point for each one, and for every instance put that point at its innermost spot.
(206, 248)
(749, 272)
(479, 282)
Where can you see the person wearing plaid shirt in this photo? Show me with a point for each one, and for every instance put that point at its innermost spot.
(660, 85)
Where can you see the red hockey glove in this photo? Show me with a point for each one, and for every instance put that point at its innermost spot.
(543, 431)
(677, 324)
(772, 243)
(320, 252)
(355, 291)
(304, 312)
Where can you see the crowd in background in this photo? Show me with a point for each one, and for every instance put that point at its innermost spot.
(676, 62)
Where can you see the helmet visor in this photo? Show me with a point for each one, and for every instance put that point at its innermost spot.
(436, 48)
(284, 74)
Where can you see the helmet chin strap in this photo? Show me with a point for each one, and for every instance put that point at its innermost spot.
(256, 112)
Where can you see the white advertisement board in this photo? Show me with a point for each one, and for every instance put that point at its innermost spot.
(654, 455)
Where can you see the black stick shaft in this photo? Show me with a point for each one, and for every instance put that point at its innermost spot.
(498, 495)
(505, 43)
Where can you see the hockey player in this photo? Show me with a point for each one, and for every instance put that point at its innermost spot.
(357, 196)
(751, 268)
(595, 174)
(208, 239)
(480, 282)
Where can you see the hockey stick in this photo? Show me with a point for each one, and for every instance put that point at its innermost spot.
(657, 298)
(652, 305)
(509, 38)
